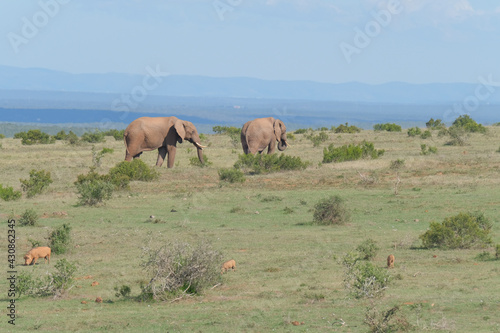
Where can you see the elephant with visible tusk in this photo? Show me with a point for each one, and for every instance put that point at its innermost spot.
(262, 133)
(162, 133)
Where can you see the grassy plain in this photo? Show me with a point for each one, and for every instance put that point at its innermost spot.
(287, 269)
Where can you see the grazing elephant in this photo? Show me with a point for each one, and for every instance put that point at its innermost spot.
(162, 133)
(260, 133)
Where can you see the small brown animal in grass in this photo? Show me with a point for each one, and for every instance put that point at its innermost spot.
(35, 253)
(227, 265)
(390, 261)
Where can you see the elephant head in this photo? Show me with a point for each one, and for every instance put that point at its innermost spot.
(187, 131)
(280, 134)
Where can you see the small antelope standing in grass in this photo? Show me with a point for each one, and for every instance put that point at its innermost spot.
(390, 261)
(227, 265)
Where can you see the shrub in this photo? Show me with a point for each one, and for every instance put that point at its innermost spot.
(397, 164)
(117, 134)
(38, 181)
(33, 137)
(388, 321)
(300, 131)
(231, 175)
(233, 132)
(94, 188)
(461, 231)
(72, 138)
(427, 150)
(2, 136)
(59, 239)
(346, 129)
(29, 218)
(8, 194)
(468, 124)
(387, 127)
(497, 251)
(195, 161)
(93, 137)
(435, 124)
(363, 279)
(426, 134)
(331, 210)
(97, 156)
(267, 163)
(351, 152)
(134, 170)
(61, 135)
(458, 136)
(54, 284)
(177, 269)
(368, 249)
(414, 131)
(318, 139)
(123, 291)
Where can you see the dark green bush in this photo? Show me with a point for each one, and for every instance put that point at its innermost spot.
(2, 136)
(37, 183)
(387, 127)
(468, 124)
(61, 135)
(318, 139)
(195, 161)
(29, 218)
(8, 194)
(117, 134)
(351, 152)
(33, 137)
(59, 239)
(346, 129)
(414, 131)
(95, 188)
(123, 291)
(426, 134)
(427, 150)
(368, 249)
(300, 131)
(267, 163)
(135, 170)
(363, 279)
(231, 175)
(93, 137)
(462, 231)
(178, 269)
(435, 124)
(331, 210)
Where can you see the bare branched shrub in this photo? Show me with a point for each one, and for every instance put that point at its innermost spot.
(392, 320)
(178, 269)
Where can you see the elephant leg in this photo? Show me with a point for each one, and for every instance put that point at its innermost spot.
(272, 147)
(162, 152)
(171, 156)
(128, 157)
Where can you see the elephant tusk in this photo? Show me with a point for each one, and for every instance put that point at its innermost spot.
(287, 144)
(199, 145)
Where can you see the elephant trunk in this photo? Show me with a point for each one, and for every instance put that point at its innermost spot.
(282, 145)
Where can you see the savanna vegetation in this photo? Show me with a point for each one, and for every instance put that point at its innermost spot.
(310, 238)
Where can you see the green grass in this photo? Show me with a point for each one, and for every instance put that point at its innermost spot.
(287, 268)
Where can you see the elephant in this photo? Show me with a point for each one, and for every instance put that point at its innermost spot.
(162, 133)
(260, 133)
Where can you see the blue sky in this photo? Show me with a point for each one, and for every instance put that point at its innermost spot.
(371, 41)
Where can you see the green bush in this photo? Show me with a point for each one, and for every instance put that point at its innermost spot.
(98, 155)
(93, 137)
(318, 139)
(331, 210)
(2, 136)
(365, 280)
(458, 136)
(300, 131)
(29, 218)
(435, 124)
(468, 124)
(427, 150)
(59, 239)
(392, 320)
(195, 161)
(177, 269)
(462, 231)
(134, 170)
(267, 163)
(426, 134)
(368, 249)
(61, 135)
(351, 152)
(72, 138)
(33, 137)
(397, 164)
(8, 194)
(387, 127)
(231, 175)
(53, 284)
(117, 134)
(38, 181)
(346, 129)
(94, 188)
(124, 291)
(497, 252)
(414, 131)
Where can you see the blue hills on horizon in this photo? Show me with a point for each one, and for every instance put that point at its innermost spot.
(46, 96)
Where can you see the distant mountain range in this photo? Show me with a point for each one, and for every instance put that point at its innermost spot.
(34, 95)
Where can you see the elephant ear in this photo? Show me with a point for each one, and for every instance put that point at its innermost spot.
(179, 128)
(277, 129)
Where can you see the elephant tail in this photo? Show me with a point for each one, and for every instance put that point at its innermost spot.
(125, 137)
